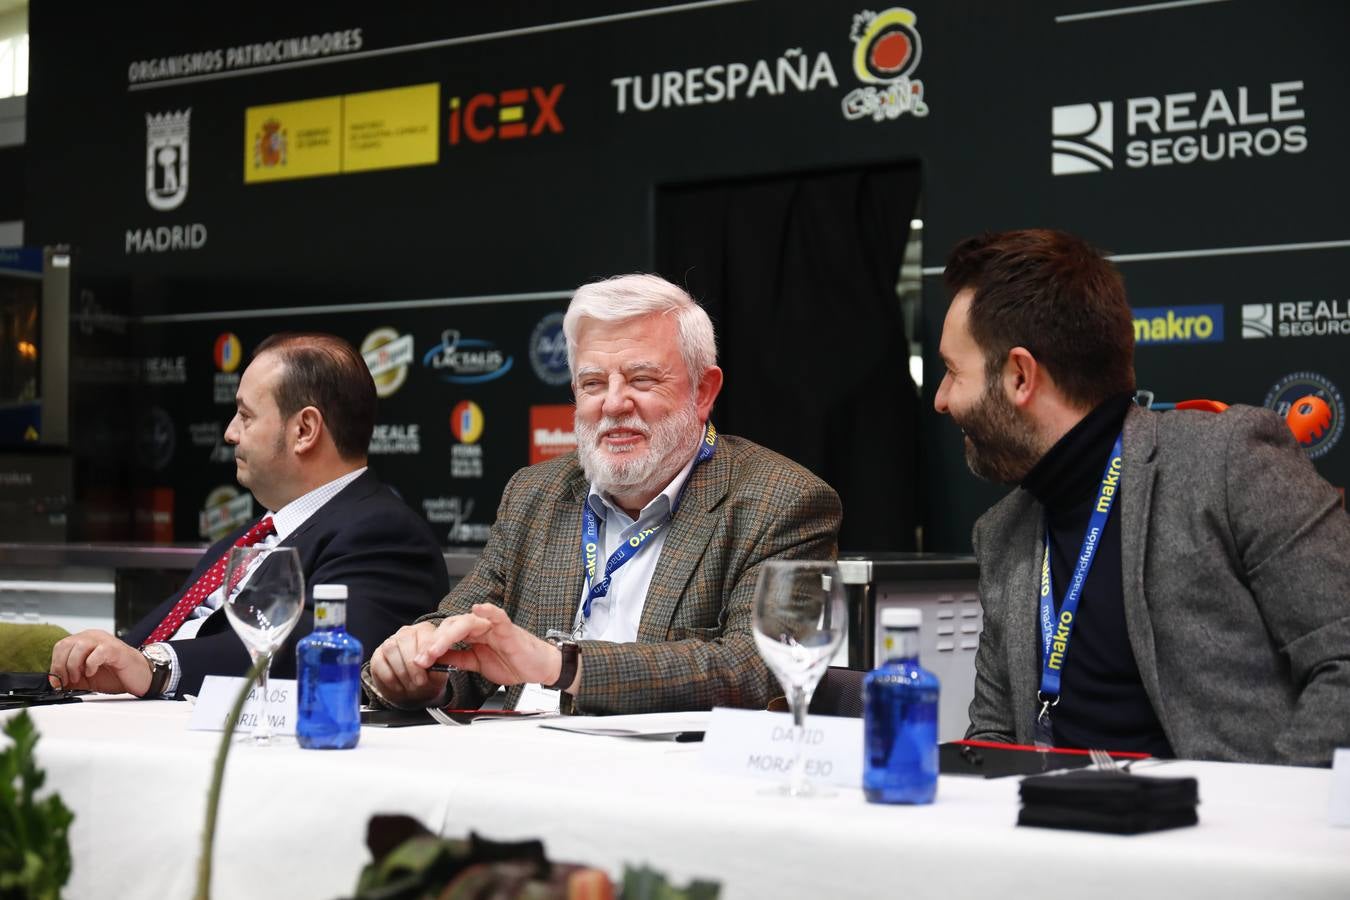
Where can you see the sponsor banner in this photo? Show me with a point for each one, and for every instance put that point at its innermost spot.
(1304, 318)
(390, 440)
(388, 355)
(548, 351)
(225, 510)
(461, 360)
(507, 115)
(1313, 407)
(1178, 325)
(1191, 126)
(385, 129)
(551, 431)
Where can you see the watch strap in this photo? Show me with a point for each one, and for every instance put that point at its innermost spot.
(160, 671)
(571, 655)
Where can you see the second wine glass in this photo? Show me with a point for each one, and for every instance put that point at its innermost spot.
(263, 610)
(800, 619)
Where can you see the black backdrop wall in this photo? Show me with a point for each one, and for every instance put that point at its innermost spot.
(431, 181)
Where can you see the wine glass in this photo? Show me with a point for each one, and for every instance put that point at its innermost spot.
(799, 621)
(263, 611)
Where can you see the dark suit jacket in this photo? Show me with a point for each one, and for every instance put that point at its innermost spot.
(695, 648)
(366, 538)
(1235, 559)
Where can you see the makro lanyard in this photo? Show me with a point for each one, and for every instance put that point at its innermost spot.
(590, 532)
(1055, 632)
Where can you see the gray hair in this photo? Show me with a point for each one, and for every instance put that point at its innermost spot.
(625, 297)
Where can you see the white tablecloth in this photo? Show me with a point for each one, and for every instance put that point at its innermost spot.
(292, 822)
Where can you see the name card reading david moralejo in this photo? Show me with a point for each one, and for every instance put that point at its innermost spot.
(763, 745)
(217, 698)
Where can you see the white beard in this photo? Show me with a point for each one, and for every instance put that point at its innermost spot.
(670, 444)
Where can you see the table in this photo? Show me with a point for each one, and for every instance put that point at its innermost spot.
(292, 822)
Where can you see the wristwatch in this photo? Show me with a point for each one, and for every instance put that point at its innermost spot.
(571, 656)
(161, 667)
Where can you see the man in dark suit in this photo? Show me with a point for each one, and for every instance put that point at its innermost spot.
(305, 413)
(639, 552)
(1175, 583)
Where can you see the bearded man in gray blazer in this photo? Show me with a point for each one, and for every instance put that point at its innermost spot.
(637, 555)
(1176, 583)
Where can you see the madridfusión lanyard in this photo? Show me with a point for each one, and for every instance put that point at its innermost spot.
(590, 533)
(1056, 630)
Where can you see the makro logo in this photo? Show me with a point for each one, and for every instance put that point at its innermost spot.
(388, 355)
(1304, 318)
(1082, 138)
(1313, 407)
(461, 360)
(548, 351)
(1181, 128)
(510, 114)
(886, 49)
(1178, 325)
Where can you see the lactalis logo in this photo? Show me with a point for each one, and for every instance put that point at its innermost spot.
(1083, 138)
(1224, 123)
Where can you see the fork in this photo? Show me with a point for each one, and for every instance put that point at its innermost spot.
(1102, 761)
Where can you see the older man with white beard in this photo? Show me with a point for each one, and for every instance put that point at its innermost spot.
(620, 578)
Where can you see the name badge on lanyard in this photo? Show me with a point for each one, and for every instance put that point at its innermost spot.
(590, 537)
(1056, 630)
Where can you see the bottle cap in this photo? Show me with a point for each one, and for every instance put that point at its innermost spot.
(901, 617)
(330, 592)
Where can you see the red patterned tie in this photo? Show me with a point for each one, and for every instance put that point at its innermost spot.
(211, 579)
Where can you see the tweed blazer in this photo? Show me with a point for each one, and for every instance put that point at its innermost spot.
(695, 648)
(1235, 557)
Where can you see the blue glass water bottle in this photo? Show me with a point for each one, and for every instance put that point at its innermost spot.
(900, 711)
(329, 663)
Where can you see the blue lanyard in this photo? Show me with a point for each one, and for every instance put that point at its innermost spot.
(1055, 632)
(590, 532)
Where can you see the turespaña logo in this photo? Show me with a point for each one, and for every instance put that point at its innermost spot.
(886, 49)
(1313, 407)
(548, 350)
(520, 112)
(227, 352)
(387, 355)
(166, 159)
(552, 431)
(269, 145)
(1303, 318)
(1258, 320)
(1178, 325)
(225, 510)
(461, 360)
(1083, 139)
(466, 424)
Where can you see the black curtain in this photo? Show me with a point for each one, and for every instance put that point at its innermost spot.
(799, 274)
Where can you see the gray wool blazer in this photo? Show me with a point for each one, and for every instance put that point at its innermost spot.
(1235, 556)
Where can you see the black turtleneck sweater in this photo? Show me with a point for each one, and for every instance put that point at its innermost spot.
(1102, 700)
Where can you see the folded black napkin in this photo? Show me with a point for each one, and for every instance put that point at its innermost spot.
(1113, 802)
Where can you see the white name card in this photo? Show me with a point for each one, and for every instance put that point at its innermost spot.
(755, 744)
(217, 697)
(1340, 788)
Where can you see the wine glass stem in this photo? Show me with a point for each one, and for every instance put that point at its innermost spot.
(798, 703)
(262, 732)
